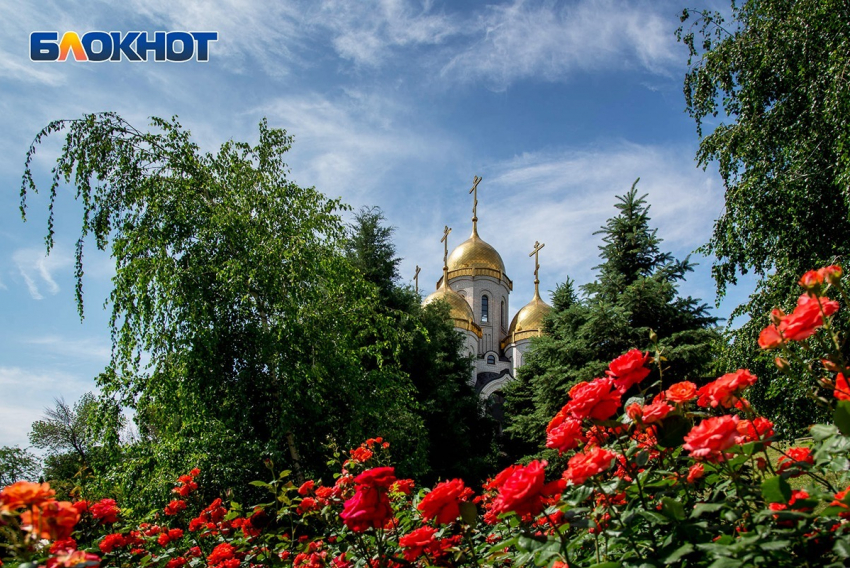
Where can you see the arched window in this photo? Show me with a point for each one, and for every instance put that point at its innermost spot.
(485, 309)
(504, 315)
(491, 359)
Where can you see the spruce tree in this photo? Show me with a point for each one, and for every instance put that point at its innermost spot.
(635, 292)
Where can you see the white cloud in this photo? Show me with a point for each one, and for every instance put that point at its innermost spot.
(12, 69)
(353, 144)
(565, 197)
(32, 391)
(531, 39)
(367, 32)
(247, 30)
(37, 269)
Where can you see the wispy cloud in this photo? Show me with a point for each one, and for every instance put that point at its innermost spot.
(525, 39)
(353, 143)
(567, 196)
(368, 32)
(249, 31)
(33, 391)
(37, 270)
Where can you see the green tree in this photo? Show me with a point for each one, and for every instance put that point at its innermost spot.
(776, 73)
(635, 293)
(65, 429)
(263, 341)
(17, 464)
(460, 437)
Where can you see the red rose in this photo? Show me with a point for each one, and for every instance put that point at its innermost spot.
(831, 274)
(795, 455)
(307, 504)
(106, 510)
(112, 541)
(52, 520)
(222, 552)
(361, 454)
(722, 392)
(592, 462)
(565, 436)
(306, 487)
(368, 508)
(382, 477)
(712, 437)
(443, 502)
(652, 413)
(628, 369)
(63, 544)
(681, 392)
(495, 483)
(404, 486)
(523, 491)
(695, 472)
(807, 317)
(842, 389)
(175, 507)
(416, 542)
(176, 562)
(754, 430)
(597, 400)
(770, 337)
(814, 278)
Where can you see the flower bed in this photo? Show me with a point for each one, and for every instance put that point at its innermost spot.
(655, 475)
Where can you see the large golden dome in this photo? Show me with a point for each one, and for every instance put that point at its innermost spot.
(474, 257)
(475, 253)
(528, 322)
(459, 310)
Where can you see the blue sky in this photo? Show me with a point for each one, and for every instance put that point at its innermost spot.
(559, 106)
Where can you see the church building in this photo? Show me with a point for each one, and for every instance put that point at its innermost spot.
(476, 286)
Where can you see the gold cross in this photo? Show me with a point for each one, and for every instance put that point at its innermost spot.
(416, 278)
(535, 252)
(475, 181)
(445, 240)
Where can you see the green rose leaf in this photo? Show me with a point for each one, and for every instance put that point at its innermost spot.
(842, 416)
(776, 490)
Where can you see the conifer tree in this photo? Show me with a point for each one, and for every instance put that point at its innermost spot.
(635, 293)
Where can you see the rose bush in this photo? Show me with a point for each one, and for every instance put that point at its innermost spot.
(685, 476)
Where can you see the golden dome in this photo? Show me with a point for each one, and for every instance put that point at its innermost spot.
(459, 310)
(528, 322)
(475, 253)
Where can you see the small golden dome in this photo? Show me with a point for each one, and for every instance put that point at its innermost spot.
(528, 322)
(475, 253)
(459, 310)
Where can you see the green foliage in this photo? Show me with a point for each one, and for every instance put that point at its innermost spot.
(17, 464)
(635, 293)
(776, 75)
(232, 283)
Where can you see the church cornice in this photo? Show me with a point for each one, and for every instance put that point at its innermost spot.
(519, 336)
(473, 272)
